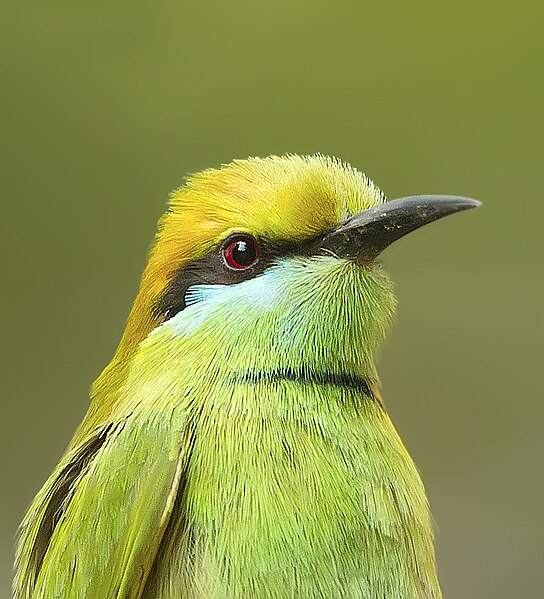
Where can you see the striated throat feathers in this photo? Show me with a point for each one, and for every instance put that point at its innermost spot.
(237, 447)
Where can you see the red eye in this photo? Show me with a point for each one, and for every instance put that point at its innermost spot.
(240, 252)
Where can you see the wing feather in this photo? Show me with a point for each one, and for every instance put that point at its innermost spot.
(95, 528)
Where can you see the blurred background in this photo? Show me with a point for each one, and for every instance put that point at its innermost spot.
(106, 106)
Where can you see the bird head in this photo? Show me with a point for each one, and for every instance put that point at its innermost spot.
(271, 263)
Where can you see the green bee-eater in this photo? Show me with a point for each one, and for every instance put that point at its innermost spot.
(237, 447)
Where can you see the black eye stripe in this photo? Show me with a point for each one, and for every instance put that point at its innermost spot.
(208, 270)
(211, 270)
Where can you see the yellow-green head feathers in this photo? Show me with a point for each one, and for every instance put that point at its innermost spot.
(282, 199)
(288, 198)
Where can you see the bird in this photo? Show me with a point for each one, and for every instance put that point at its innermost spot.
(237, 445)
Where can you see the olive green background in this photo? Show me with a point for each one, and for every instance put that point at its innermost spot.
(105, 107)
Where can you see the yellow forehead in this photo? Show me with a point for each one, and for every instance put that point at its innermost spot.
(280, 198)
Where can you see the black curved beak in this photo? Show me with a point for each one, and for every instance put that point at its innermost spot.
(365, 235)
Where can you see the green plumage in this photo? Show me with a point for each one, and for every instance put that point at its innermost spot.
(247, 455)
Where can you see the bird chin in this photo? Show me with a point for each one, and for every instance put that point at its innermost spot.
(307, 314)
